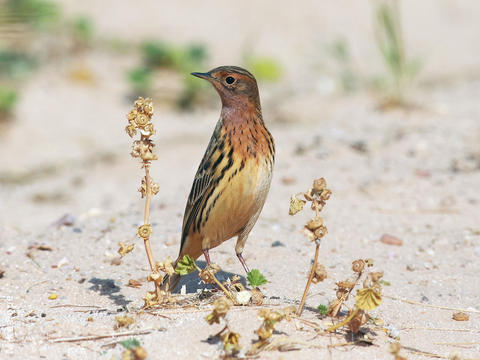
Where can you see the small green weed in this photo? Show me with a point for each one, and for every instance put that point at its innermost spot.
(255, 278)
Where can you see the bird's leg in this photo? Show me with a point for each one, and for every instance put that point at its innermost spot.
(244, 264)
(207, 256)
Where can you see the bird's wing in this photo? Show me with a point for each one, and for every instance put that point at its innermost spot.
(202, 181)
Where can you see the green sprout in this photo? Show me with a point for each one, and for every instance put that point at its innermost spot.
(8, 99)
(34, 12)
(82, 28)
(141, 79)
(130, 344)
(388, 33)
(186, 265)
(322, 309)
(255, 278)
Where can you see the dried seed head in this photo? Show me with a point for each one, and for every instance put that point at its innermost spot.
(308, 195)
(257, 297)
(154, 188)
(320, 274)
(377, 275)
(317, 205)
(206, 276)
(319, 185)
(139, 118)
(372, 279)
(155, 277)
(341, 293)
(320, 232)
(148, 107)
(221, 307)
(309, 234)
(345, 285)
(144, 231)
(325, 194)
(358, 265)
(165, 266)
(315, 223)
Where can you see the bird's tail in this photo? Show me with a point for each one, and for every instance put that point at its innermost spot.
(170, 282)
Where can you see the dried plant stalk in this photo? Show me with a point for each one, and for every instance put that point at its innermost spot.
(310, 278)
(139, 119)
(314, 229)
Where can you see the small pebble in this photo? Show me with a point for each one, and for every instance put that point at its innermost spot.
(460, 316)
(391, 240)
(277, 243)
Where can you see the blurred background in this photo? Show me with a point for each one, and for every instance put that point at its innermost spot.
(335, 77)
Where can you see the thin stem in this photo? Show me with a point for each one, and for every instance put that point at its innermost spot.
(344, 322)
(148, 195)
(310, 277)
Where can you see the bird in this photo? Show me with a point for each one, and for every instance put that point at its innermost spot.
(234, 176)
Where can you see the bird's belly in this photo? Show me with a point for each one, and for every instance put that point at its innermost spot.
(241, 198)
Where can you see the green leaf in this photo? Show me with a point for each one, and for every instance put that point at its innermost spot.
(185, 266)
(8, 98)
(130, 343)
(322, 309)
(255, 278)
(385, 282)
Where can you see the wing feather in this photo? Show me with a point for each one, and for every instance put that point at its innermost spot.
(202, 182)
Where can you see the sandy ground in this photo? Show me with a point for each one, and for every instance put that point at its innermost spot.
(415, 176)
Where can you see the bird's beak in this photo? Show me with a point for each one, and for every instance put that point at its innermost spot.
(205, 76)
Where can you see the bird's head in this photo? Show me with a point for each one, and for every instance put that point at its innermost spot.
(235, 85)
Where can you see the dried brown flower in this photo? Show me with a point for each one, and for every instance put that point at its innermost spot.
(315, 223)
(257, 296)
(325, 194)
(144, 231)
(155, 277)
(166, 266)
(320, 232)
(320, 274)
(154, 188)
(358, 265)
(319, 185)
(221, 307)
(345, 285)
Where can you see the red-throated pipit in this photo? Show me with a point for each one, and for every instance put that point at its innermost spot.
(233, 179)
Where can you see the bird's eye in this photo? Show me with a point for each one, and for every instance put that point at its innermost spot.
(230, 80)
